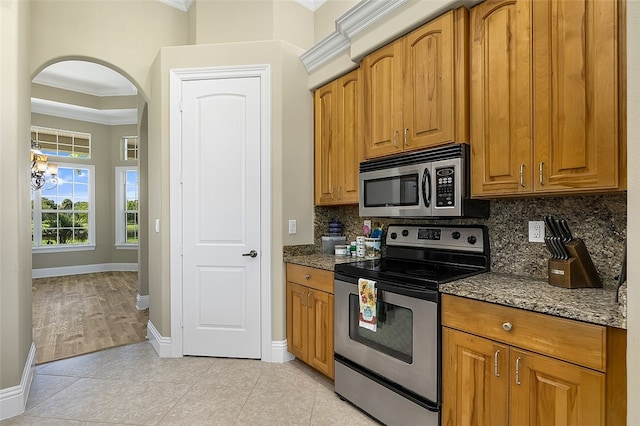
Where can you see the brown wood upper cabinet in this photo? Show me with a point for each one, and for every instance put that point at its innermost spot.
(415, 89)
(545, 104)
(338, 143)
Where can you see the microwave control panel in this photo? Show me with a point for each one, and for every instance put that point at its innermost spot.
(445, 186)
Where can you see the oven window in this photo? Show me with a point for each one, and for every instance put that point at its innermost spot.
(392, 191)
(394, 334)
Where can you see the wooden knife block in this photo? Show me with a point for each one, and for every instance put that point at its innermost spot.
(577, 271)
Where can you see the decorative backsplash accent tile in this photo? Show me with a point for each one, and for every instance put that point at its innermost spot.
(600, 221)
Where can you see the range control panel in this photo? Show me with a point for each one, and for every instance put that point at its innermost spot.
(442, 237)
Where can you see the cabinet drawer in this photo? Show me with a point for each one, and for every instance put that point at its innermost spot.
(573, 341)
(318, 279)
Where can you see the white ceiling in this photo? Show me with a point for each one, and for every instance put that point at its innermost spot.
(88, 78)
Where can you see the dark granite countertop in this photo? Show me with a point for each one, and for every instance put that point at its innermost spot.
(594, 305)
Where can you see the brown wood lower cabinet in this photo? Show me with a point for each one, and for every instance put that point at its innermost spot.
(493, 382)
(310, 316)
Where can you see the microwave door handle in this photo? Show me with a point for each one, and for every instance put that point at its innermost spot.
(426, 176)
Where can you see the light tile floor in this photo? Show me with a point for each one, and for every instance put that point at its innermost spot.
(132, 385)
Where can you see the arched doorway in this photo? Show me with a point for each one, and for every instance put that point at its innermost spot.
(86, 224)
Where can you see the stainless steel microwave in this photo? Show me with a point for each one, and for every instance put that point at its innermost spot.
(429, 183)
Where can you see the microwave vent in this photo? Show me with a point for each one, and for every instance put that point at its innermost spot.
(430, 155)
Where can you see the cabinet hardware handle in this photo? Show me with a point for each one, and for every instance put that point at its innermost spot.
(306, 277)
(518, 371)
(541, 168)
(332, 189)
(339, 192)
(406, 137)
(395, 138)
(309, 301)
(496, 372)
(507, 326)
(302, 299)
(522, 175)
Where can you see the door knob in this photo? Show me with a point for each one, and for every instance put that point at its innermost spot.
(252, 253)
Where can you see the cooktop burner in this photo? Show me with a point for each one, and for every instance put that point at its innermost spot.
(426, 256)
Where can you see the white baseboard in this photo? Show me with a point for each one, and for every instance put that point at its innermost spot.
(279, 353)
(13, 400)
(142, 302)
(82, 269)
(162, 345)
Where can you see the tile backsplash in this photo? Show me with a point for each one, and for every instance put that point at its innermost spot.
(600, 221)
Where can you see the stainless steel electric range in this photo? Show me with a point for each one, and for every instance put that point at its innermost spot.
(392, 371)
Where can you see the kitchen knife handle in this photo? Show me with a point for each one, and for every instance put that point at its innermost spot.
(565, 227)
(496, 371)
(541, 177)
(522, 175)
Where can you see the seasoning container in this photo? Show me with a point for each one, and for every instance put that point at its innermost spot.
(341, 249)
(353, 248)
(360, 246)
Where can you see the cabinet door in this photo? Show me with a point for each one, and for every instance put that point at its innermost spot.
(325, 111)
(383, 100)
(297, 320)
(575, 47)
(548, 392)
(501, 158)
(350, 148)
(475, 380)
(429, 84)
(320, 354)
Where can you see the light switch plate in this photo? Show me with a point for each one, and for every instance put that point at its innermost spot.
(292, 226)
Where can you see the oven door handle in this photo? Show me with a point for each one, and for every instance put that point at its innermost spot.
(426, 176)
(419, 293)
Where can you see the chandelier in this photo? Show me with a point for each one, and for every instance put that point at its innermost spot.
(41, 171)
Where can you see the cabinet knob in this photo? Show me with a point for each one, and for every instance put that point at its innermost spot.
(306, 277)
(507, 326)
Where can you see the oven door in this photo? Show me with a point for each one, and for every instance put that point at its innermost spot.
(403, 349)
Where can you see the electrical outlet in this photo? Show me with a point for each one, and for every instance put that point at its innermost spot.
(292, 226)
(536, 231)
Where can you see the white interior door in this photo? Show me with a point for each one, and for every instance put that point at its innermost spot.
(221, 217)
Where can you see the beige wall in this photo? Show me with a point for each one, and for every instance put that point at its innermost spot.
(15, 228)
(291, 141)
(232, 21)
(125, 35)
(326, 15)
(105, 156)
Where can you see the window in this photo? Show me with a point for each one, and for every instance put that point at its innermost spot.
(62, 216)
(130, 148)
(62, 143)
(127, 191)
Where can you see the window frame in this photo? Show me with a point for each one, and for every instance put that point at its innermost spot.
(125, 148)
(120, 211)
(72, 153)
(36, 215)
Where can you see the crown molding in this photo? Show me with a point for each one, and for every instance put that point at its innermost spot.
(330, 47)
(364, 15)
(107, 117)
(88, 88)
(182, 5)
(360, 17)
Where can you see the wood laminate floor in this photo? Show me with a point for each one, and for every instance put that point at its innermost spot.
(78, 314)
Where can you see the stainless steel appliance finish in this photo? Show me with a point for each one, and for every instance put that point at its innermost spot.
(428, 183)
(394, 373)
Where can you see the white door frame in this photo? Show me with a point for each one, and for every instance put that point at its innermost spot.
(176, 77)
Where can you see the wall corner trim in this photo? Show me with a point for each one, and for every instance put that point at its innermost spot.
(142, 302)
(160, 344)
(13, 400)
(279, 353)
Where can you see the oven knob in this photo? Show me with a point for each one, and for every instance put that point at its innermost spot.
(405, 233)
(393, 235)
(455, 235)
(472, 239)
